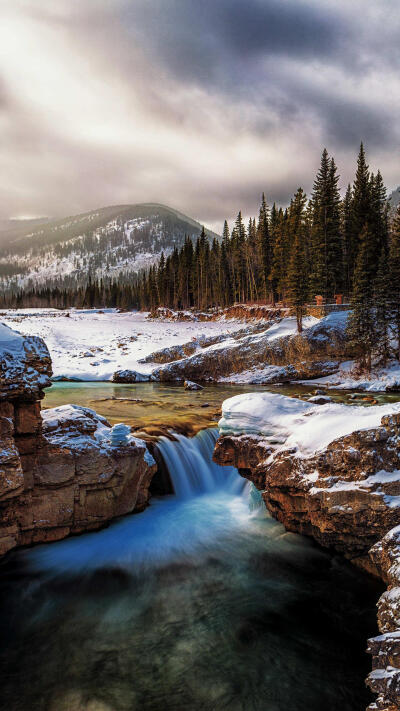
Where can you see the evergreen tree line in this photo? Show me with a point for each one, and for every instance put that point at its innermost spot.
(325, 245)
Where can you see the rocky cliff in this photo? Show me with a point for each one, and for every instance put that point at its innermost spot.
(344, 492)
(59, 471)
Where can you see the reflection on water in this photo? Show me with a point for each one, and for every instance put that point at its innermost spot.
(200, 603)
(155, 406)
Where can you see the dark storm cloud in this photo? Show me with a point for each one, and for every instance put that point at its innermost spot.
(201, 104)
(205, 41)
(227, 46)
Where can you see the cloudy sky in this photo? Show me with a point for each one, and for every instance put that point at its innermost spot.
(198, 104)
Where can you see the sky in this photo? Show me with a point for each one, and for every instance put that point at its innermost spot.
(197, 104)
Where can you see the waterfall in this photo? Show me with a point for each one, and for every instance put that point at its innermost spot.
(209, 503)
(191, 468)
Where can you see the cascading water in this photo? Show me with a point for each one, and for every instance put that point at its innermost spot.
(191, 468)
(208, 499)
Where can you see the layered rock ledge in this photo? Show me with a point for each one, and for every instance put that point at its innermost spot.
(60, 473)
(340, 487)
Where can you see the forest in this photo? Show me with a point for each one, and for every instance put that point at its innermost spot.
(325, 245)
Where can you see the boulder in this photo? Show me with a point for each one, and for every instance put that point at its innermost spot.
(190, 385)
(130, 376)
(25, 366)
(319, 399)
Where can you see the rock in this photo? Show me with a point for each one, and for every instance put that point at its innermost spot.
(65, 379)
(346, 497)
(25, 366)
(63, 470)
(130, 376)
(190, 385)
(384, 680)
(83, 476)
(119, 434)
(314, 353)
(319, 399)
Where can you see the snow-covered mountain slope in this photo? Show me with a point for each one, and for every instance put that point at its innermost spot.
(109, 241)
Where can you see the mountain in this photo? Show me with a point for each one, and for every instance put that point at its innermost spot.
(110, 241)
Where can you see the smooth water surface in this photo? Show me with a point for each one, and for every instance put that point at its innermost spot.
(155, 407)
(202, 603)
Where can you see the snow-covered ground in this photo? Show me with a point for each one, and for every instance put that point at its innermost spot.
(91, 345)
(289, 422)
(380, 380)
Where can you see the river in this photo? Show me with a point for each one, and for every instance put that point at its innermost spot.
(202, 602)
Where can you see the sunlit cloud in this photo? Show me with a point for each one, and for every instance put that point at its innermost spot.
(197, 105)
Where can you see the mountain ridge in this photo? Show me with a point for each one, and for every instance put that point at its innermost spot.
(115, 240)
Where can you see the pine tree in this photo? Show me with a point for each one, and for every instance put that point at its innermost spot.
(382, 309)
(264, 246)
(326, 275)
(296, 280)
(361, 325)
(360, 208)
(394, 279)
(378, 218)
(346, 232)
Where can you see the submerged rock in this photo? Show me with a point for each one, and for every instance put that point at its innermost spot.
(319, 399)
(190, 385)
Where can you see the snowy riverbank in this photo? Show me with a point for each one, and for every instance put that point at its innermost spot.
(92, 344)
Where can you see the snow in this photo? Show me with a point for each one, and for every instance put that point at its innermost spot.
(288, 326)
(254, 345)
(304, 426)
(19, 358)
(11, 342)
(380, 380)
(253, 376)
(79, 428)
(92, 344)
(46, 263)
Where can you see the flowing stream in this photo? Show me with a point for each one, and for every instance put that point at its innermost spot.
(202, 602)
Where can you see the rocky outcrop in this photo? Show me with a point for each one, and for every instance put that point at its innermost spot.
(384, 679)
(25, 366)
(341, 497)
(347, 497)
(314, 353)
(129, 376)
(60, 472)
(241, 312)
(172, 353)
(252, 312)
